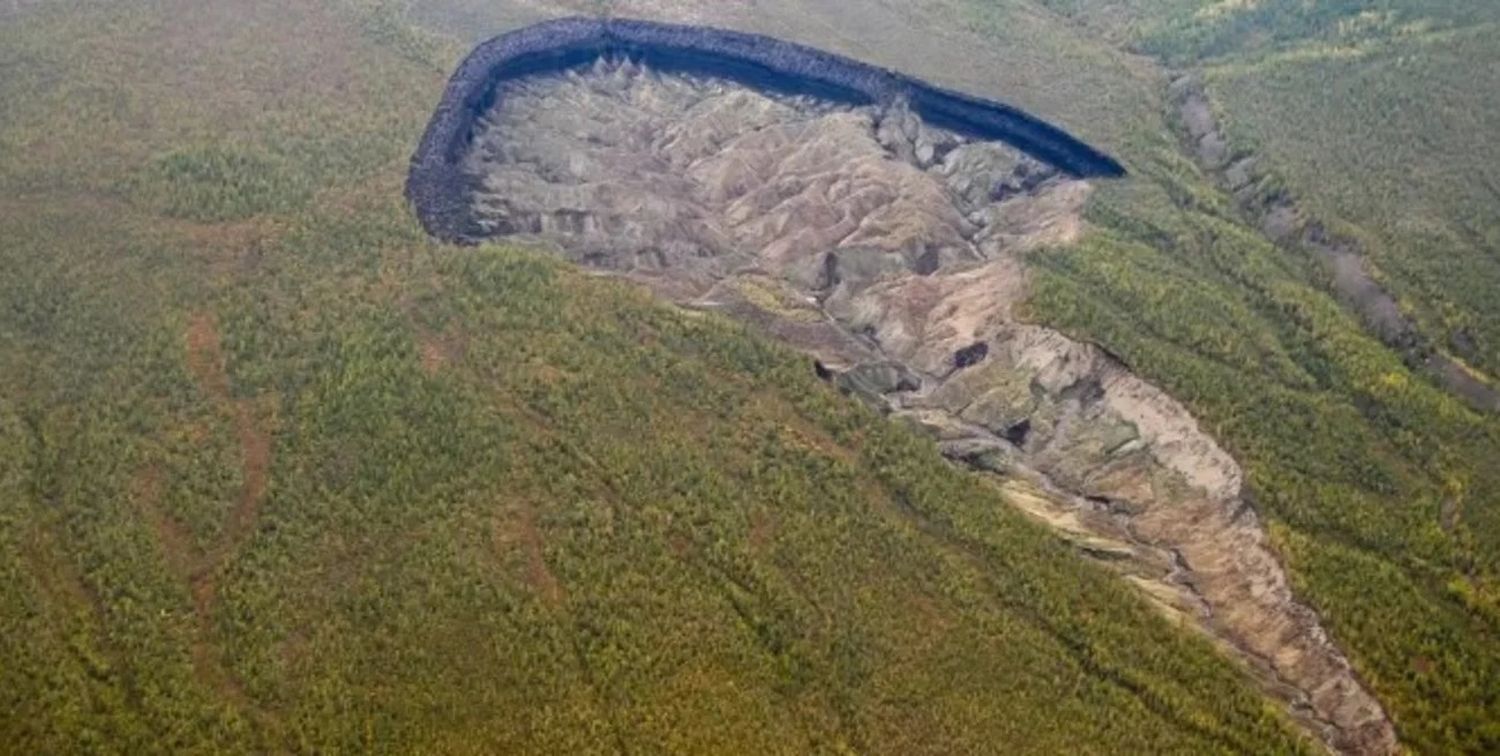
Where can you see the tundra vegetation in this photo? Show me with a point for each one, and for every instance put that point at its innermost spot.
(1379, 487)
(278, 473)
(1384, 491)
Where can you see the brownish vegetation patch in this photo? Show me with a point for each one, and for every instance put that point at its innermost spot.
(439, 350)
(202, 568)
(762, 530)
(517, 528)
(205, 356)
(57, 574)
(177, 546)
(206, 360)
(255, 464)
(225, 248)
(798, 430)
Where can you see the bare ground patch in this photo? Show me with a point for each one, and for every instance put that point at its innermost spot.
(205, 356)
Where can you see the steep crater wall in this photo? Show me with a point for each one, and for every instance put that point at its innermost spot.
(438, 188)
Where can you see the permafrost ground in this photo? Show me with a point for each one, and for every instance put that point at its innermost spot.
(894, 252)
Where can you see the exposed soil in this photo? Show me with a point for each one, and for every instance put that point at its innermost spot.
(437, 185)
(762, 531)
(255, 466)
(205, 356)
(893, 251)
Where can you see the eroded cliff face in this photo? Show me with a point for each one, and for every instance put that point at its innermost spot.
(894, 252)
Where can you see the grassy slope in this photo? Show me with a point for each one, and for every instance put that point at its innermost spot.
(1374, 113)
(1383, 492)
(277, 473)
(1354, 459)
(1403, 155)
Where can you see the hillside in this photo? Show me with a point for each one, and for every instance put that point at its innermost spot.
(279, 474)
(1367, 120)
(1376, 478)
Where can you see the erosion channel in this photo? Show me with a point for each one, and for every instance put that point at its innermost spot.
(882, 229)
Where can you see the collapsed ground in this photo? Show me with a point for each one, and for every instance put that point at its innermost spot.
(894, 252)
(178, 158)
(281, 475)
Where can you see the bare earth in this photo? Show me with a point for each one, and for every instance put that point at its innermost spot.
(895, 253)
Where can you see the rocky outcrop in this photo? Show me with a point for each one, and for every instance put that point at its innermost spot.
(437, 188)
(893, 251)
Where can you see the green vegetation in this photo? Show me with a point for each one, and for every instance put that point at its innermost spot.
(276, 473)
(1184, 32)
(1375, 114)
(1400, 157)
(1383, 491)
(1353, 458)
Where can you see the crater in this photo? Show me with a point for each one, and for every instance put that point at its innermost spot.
(882, 226)
(439, 186)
